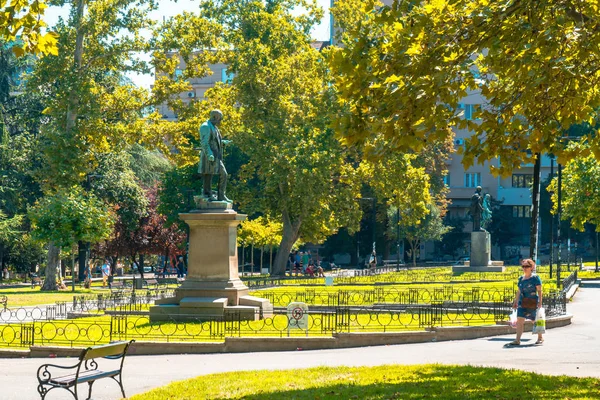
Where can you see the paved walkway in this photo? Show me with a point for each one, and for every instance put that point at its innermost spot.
(571, 350)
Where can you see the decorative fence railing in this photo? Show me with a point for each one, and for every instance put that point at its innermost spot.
(355, 277)
(118, 302)
(415, 295)
(569, 281)
(322, 321)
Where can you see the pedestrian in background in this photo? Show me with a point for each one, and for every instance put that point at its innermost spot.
(528, 299)
(105, 272)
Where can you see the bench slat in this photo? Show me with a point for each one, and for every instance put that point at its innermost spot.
(112, 349)
(84, 376)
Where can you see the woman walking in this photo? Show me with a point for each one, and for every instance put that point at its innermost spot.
(528, 299)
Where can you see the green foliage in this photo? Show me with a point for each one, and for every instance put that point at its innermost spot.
(431, 381)
(417, 230)
(176, 193)
(453, 241)
(24, 252)
(260, 232)
(403, 70)
(276, 112)
(68, 217)
(115, 182)
(148, 166)
(580, 191)
(91, 109)
(300, 170)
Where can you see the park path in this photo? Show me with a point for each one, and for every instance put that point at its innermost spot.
(571, 350)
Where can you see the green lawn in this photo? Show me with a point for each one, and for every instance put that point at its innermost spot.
(383, 382)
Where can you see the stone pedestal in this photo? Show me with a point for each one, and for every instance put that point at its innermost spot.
(480, 260)
(481, 249)
(212, 287)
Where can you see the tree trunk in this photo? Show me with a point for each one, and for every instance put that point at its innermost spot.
(290, 236)
(262, 251)
(51, 268)
(535, 197)
(413, 250)
(252, 259)
(271, 259)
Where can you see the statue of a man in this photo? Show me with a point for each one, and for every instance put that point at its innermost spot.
(211, 157)
(476, 209)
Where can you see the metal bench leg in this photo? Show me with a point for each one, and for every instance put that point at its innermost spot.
(120, 382)
(90, 383)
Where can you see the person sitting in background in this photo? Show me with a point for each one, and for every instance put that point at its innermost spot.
(310, 270)
(319, 270)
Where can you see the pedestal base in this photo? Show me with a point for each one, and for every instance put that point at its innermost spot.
(249, 308)
(212, 289)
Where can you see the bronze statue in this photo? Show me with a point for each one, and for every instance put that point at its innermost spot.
(211, 157)
(486, 213)
(476, 209)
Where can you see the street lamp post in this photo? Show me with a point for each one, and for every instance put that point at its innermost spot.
(398, 238)
(596, 270)
(558, 238)
(551, 219)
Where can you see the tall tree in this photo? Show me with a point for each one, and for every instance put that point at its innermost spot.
(91, 109)
(430, 227)
(405, 67)
(580, 191)
(299, 171)
(65, 218)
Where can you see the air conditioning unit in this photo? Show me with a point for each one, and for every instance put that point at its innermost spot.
(191, 94)
(459, 142)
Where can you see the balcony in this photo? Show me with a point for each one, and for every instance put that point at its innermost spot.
(514, 196)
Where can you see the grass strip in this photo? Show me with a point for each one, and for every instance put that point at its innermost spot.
(431, 381)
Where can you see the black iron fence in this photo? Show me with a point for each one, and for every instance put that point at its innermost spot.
(320, 321)
(365, 277)
(415, 295)
(86, 305)
(569, 281)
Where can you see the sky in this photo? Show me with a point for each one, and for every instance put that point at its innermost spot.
(170, 8)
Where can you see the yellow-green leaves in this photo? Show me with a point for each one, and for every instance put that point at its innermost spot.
(22, 24)
(531, 63)
(71, 215)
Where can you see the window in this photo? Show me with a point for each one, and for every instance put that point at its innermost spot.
(521, 211)
(447, 180)
(178, 73)
(469, 110)
(472, 179)
(522, 180)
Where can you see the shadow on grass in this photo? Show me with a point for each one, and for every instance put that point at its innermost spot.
(385, 382)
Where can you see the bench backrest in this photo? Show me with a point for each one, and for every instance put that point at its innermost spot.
(113, 349)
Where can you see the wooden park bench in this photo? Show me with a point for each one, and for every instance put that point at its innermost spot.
(4, 301)
(119, 286)
(86, 370)
(151, 283)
